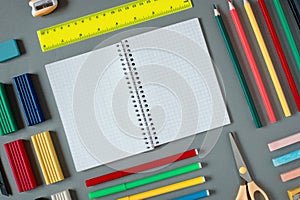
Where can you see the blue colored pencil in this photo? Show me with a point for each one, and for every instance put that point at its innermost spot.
(195, 196)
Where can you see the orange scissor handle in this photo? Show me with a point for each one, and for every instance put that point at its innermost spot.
(242, 193)
(253, 188)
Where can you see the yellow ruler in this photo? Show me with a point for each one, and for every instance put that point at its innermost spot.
(107, 21)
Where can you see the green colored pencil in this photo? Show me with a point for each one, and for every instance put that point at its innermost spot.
(237, 68)
(287, 31)
(144, 181)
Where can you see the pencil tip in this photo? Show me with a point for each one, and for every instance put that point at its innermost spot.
(229, 1)
(214, 6)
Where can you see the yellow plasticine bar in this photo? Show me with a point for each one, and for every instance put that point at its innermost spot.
(54, 157)
(267, 59)
(47, 157)
(166, 189)
(40, 156)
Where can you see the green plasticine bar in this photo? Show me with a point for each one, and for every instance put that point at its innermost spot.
(7, 121)
(145, 181)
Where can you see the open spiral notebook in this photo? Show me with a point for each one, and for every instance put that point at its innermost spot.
(137, 94)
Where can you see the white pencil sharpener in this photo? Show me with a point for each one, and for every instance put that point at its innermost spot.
(42, 7)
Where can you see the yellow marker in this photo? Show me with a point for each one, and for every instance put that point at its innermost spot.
(47, 157)
(267, 59)
(166, 189)
(107, 21)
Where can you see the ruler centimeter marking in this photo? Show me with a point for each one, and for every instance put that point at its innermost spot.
(106, 21)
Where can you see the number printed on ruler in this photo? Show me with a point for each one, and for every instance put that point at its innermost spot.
(107, 21)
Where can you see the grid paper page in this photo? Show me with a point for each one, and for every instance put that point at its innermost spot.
(94, 103)
(179, 82)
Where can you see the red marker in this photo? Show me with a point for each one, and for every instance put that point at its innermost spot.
(140, 168)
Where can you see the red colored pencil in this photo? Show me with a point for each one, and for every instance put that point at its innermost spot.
(140, 168)
(280, 52)
(252, 63)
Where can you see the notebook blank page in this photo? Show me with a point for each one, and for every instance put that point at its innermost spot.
(179, 81)
(94, 103)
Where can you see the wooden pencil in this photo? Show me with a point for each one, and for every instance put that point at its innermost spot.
(252, 63)
(295, 11)
(280, 52)
(287, 31)
(267, 58)
(237, 68)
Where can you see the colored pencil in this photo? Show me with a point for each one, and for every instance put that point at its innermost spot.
(194, 196)
(237, 68)
(287, 31)
(280, 52)
(145, 181)
(252, 63)
(166, 189)
(267, 58)
(142, 167)
(295, 11)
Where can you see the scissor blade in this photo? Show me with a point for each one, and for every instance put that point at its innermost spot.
(239, 161)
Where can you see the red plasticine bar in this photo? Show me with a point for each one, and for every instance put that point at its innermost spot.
(20, 165)
(140, 168)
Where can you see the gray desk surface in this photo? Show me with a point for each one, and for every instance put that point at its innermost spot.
(17, 23)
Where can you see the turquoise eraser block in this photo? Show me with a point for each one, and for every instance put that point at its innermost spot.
(8, 50)
(286, 158)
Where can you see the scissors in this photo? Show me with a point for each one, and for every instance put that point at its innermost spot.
(248, 187)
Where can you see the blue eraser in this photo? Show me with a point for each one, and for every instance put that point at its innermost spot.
(8, 50)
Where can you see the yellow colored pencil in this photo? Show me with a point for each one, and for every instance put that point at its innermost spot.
(267, 59)
(166, 189)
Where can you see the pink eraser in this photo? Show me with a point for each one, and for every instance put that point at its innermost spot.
(284, 142)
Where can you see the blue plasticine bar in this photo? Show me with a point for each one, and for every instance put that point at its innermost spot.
(28, 99)
(8, 50)
(286, 158)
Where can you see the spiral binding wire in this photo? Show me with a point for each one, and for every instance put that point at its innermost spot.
(138, 97)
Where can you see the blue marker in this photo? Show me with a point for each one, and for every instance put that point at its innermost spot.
(195, 196)
(286, 158)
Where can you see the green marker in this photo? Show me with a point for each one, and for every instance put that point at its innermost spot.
(145, 181)
(7, 121)
(287, 31)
